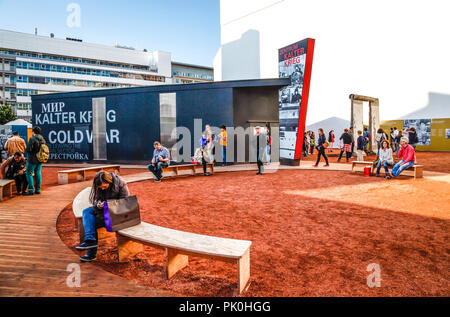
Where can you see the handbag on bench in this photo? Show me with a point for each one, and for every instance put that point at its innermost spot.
(121, 213)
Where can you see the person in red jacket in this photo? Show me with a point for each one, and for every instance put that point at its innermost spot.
(408, 156)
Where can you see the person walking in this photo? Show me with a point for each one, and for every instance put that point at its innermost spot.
(385, 159)
(392, 139)
(306, 144)
(380, 136)
(33, 164)
(397, 142)
(15, 144)
(260, 147)
(106, 185)
(350, 131)
(312, 142)
(331, 140)
(412, 137)
(211, 140)
(321, 148)
(203, 148)
(268, 146)
(360, 145)
(347, 145)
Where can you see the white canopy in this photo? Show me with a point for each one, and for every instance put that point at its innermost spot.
(20, 122)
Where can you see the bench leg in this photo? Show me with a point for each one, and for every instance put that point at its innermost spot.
(7, 191)
(243, 271)
(175, 262)
(63, 179)
(1, 193)
(80, 228)
(418, 173)
(81, 176)
(103, 235)
(127, 248)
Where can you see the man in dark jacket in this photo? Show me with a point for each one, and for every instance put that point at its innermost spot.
(260, 147)
(14, 168)
(33, 164)
(347, 140)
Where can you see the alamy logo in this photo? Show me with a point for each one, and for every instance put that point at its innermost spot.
(374, 278)
(74, 18)
(74, 278)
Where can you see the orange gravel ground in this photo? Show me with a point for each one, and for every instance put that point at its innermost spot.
(314, 233)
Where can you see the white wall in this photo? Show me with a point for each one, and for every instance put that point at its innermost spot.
(397, 51)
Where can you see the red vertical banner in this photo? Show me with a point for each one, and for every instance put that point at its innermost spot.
(295, 62)
(305, 97)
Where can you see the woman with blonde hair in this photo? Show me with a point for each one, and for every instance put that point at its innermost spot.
(385, 158)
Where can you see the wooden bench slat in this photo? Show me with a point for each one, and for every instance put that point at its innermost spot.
(89, 168)
(191, 242)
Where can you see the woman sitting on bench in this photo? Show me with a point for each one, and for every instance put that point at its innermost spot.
(105, 186)
(385, 158)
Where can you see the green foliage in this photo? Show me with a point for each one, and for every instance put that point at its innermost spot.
(6, 114)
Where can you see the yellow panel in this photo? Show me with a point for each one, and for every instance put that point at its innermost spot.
(438, 140)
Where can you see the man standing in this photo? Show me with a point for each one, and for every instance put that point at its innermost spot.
(33, 164)
(408, 156)
(353, 140)
(161, 159)
(223, 141)
(260, 146)
(15, 144)
(15, 168)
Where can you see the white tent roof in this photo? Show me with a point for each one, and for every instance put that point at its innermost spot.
(20, 122)
(333, 123)
(438, 107)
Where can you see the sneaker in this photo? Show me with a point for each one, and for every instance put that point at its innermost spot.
(206, 174)
(28, 194)
(259, 173)
(87, 258)
(339, 161)
(388, 177)
(157, 180)
(315, 165)
(87, 245)
(18, 194)
(37, 193)
(326, 165)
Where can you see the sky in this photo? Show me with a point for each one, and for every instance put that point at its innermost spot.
(190, 30)
(394, 50)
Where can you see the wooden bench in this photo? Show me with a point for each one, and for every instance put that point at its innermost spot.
(6, 188)
(186, 169)
(417, 169)
(63, 176)
(363, 163)
(179, 245)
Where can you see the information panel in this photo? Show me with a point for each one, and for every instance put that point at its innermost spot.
(294, 62)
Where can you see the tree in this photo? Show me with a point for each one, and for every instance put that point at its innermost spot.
(6, 114)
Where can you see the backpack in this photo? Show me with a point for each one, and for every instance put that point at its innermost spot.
(43, 153)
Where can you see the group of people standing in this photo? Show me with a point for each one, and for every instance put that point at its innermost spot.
(20, 168)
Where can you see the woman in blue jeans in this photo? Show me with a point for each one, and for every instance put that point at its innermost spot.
(105, 186)
(385, 158)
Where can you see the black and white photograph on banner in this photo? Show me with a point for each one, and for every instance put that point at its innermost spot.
(422, 127)
(447, 133)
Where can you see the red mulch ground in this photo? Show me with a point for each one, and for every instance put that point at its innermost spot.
(309, 236)
(433, 161)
